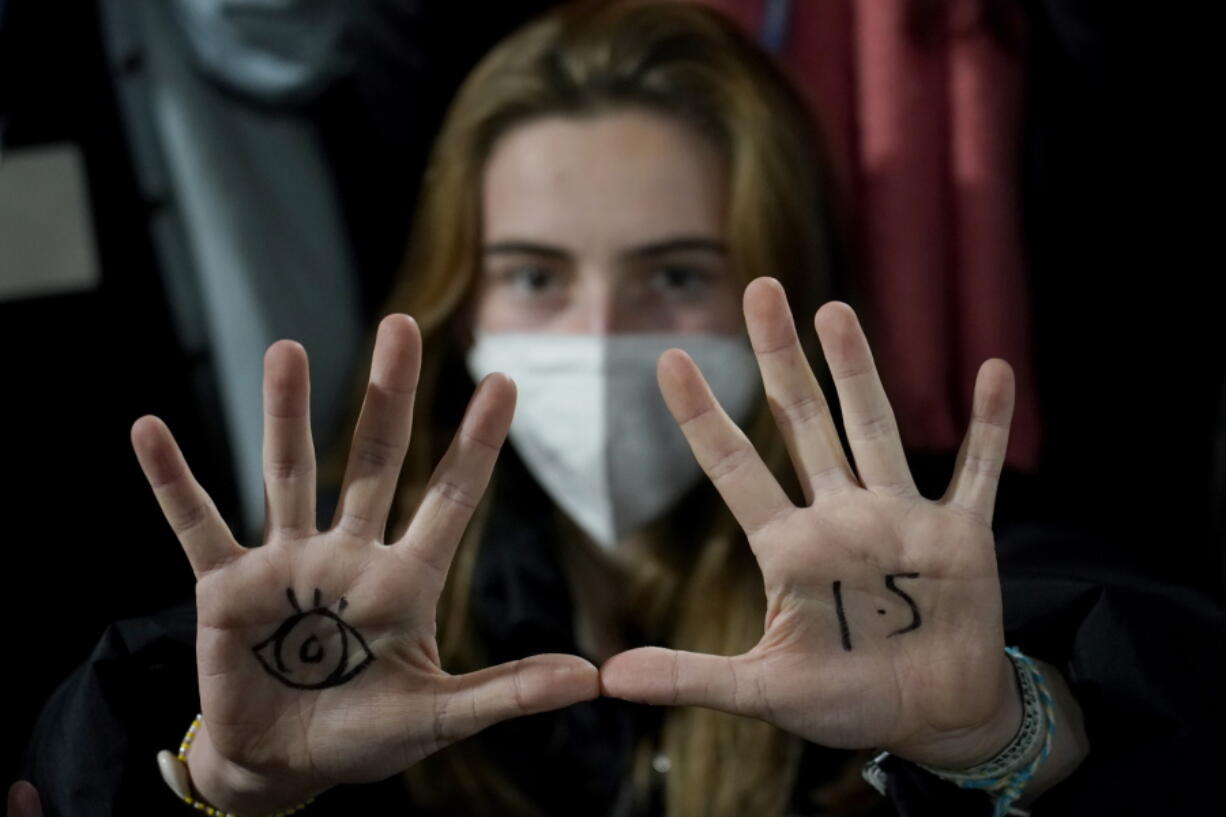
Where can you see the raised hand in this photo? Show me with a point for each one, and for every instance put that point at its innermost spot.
(316, 651)
(883, 625)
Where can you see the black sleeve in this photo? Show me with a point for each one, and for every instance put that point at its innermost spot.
(1144, 661)
(94, 747)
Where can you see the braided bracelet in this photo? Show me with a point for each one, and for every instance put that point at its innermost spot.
(1005, 775)
(174, 772)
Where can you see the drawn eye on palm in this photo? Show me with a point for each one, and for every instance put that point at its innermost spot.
(315, 648)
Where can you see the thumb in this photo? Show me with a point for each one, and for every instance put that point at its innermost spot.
(23, 800)
(654, 675)
(524, 687)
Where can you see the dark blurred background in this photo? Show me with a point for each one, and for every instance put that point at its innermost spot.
(192, 214)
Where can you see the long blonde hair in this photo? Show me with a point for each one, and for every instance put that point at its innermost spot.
(704, 592)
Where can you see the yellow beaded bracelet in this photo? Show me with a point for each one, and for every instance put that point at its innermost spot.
(174, 772)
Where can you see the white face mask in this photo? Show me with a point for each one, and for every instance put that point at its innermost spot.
(592, 427)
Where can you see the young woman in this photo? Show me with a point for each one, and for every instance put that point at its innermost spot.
(623, 195)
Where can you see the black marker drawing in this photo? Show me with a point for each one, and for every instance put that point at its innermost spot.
(845, 631)
(329, 651)
(893, 588)
(838, 605)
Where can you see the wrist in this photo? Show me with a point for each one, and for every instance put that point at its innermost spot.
(971, 746)
(1070, 746)
(230, 787)
(1005, 774)
(1000, 730)
(1048, 747)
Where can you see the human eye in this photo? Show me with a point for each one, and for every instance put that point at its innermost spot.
(680, 280)
(532, 278)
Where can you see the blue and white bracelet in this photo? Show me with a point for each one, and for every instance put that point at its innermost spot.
(1006, 774)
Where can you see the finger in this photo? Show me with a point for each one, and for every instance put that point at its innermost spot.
(655, 675)
(289, 453)
(457, 485)
(382, 434)
(536, 684)
(794, 396)
(867, 416)
(982, 455)
(23, 800)
(722, 449)
(190, 511)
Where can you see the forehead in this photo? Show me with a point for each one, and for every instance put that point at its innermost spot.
(614, 178)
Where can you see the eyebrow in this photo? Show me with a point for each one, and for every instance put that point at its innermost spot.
(668, 245)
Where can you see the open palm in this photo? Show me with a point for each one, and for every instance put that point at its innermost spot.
(883, 625)
(316, 651)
